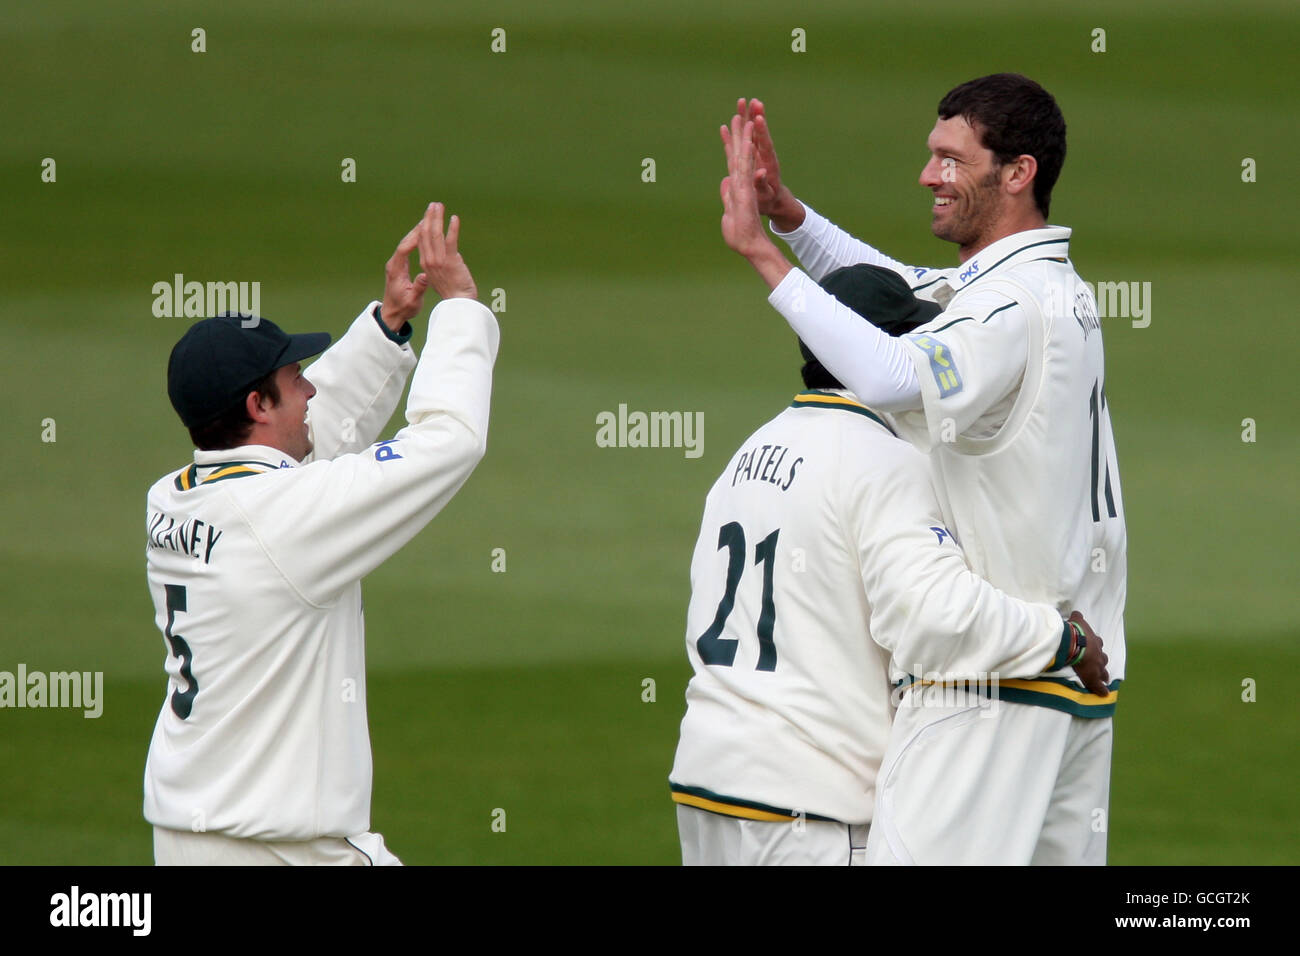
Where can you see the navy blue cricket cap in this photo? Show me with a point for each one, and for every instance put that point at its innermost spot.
(216, 363)
(879, 295)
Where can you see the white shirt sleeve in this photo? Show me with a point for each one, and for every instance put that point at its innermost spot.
(822, 247)
(936, 617)
(969, 363)
(359, 381)
(329, 523)
(876, 367)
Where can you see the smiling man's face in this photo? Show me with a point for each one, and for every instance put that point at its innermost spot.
(288, 419)
(966, 180)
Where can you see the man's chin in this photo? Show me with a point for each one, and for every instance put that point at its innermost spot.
(946, 232)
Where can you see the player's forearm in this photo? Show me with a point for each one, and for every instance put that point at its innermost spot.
(954, 625)
(928, 609)
(821, 246)
(1001, 636)
(768, 262)
(359, 381)
(874, 366)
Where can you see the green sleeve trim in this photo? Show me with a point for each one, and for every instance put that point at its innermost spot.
(1063, 652)
(401, 336)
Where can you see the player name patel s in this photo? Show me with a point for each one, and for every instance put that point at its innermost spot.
(764, 464)
(193, 536)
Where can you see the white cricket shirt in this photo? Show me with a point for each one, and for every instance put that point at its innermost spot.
(1012, 411)
(255, 563)
(822, 551)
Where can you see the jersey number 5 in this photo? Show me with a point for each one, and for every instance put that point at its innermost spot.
(182, 701)
(715, 649)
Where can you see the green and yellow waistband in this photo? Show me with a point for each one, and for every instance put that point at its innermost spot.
(1055, 693)
(732, 807)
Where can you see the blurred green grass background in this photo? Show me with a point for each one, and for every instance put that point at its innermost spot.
(523, 690)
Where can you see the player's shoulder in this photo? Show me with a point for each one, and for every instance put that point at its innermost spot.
(1035, 279)
(1038, 264)
(211, 472)
(865, 438)
(771, 431)
(161, 492)
(169, 479)
(1021, 266)
(876, 468)
(837, 410)
(872, 452)
(924, 281)
(991, 305)
(813, 429)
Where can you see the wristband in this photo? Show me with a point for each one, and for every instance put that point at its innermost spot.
(1081, 643)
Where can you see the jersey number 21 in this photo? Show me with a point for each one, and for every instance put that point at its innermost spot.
(715, 649)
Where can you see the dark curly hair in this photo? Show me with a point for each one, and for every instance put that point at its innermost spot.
(1014, 116)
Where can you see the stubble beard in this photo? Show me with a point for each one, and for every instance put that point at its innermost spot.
(967, 230)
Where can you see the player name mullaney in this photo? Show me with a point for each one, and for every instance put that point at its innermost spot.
(193, 536)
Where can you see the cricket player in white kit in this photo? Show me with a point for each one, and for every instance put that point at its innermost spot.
(1005, 390)
(822, 552)
(256, 551)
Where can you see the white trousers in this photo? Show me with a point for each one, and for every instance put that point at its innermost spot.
(992, 783)
(712, 839)
(183, 848)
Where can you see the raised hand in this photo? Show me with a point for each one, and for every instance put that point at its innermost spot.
(742, 228)
(440, 262)
(441, 259)
(774, 198)
(402, 295)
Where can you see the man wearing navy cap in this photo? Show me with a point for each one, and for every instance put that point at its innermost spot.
(255, 553)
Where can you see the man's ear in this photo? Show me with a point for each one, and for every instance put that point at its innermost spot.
(1019, 175)
(256, 405)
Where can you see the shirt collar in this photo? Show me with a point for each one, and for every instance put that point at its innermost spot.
(1050, 242)
(837, 398)
(245, 455)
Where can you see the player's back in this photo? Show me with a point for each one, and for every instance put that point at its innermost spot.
(789, 708)
(263, 731)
